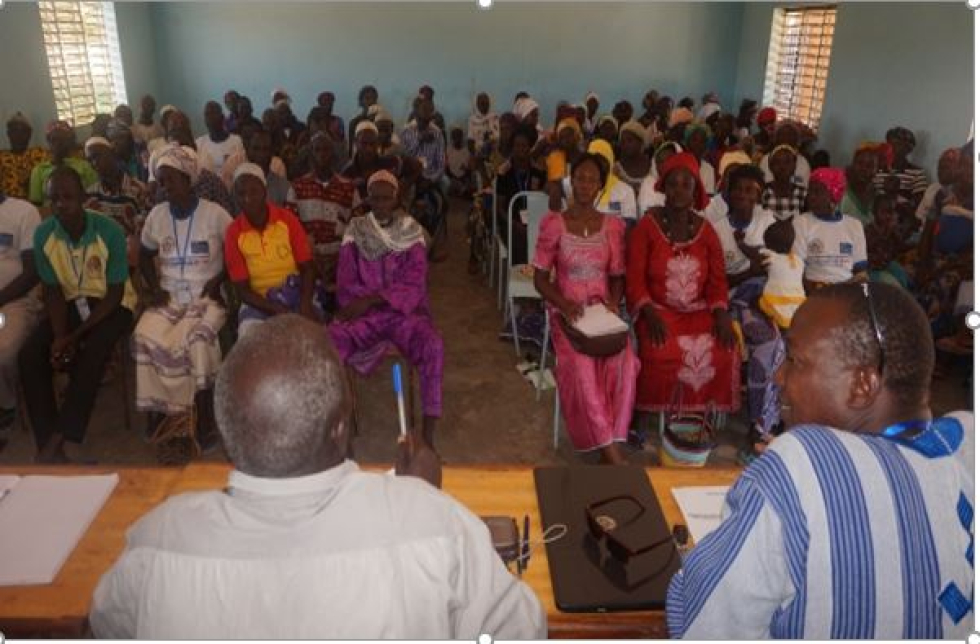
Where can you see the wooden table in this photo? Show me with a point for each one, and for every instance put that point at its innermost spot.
(61, 608)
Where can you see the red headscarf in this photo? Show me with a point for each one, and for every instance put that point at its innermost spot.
(767, 116)
(834, 179)
(685, 161)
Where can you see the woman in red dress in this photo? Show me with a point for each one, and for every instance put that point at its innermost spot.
(678, 294)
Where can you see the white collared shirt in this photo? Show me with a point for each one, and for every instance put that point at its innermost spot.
(341, 554)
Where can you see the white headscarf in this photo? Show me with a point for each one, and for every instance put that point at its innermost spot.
(525, 106)
(480, 124)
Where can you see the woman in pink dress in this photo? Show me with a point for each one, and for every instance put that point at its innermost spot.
(585, 251)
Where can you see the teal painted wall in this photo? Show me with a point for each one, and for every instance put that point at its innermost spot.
(892, 64)
(24, 73)
(555, 50)
(24, 69)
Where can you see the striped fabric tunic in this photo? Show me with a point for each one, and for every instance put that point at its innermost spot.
(839, 535)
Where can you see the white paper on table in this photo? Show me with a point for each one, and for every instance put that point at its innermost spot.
(42, 519)
(597, 320)
(7, 482)
(701, 507)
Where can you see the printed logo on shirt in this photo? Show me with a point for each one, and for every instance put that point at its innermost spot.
(815, 247)
(846, 248)
(6, 240)
(615, 205)
(168, 246)
(94, 266)
(200, 247)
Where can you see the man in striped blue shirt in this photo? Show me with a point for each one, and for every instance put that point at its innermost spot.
(858, 522)
(422, 141)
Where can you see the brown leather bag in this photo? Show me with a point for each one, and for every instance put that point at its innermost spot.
(601, 346)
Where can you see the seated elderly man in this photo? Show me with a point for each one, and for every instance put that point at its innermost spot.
(302, 544)
(857, 523)
(116, 194)
(268, 255)
(382, 294)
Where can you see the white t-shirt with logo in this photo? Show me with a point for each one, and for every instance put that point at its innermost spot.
(220, 152)
(830, 249)
(717, 214)
(18, 220)
(202, 249)
(622, 200)
(648, 196)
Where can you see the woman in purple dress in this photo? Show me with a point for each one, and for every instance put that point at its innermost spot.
(383, 299)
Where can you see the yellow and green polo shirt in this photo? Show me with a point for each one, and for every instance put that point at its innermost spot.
(85, 269)
(43, 170)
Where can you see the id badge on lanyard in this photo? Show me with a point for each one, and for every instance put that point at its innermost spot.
(184, 293)
(81, 304)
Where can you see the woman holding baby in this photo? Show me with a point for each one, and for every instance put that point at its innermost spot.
(742, 224)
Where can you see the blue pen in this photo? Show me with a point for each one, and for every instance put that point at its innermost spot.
(396, 376)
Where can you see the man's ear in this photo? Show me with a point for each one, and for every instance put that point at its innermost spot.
(865, 387)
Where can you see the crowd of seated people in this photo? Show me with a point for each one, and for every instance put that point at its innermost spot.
(673, 220)
(736, 250)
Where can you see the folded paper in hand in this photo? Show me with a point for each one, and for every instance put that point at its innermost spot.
(597, 321)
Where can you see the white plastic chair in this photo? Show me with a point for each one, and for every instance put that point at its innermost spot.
(520, 285)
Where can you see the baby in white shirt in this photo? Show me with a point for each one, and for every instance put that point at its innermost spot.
(784, 292)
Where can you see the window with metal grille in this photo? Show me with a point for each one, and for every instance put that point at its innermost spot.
(82, 45)
(799, 61)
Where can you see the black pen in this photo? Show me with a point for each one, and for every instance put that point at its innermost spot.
(526, 544)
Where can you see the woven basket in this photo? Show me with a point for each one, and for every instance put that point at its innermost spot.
(175, 439)
(686, 439)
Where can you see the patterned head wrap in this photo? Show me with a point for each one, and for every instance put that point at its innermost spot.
(780, 148)
(766, 116)
(95, 141)
(179, 157)
(58, 126)
(251, 170)
(383, 176)
(607, 117)
(680, 115)
(736, 157)
(524, 106)
(834, 179)
(603, 149)
(695, 127)
(365, 125)
(686, 162)
(636, 129)
(569, 123)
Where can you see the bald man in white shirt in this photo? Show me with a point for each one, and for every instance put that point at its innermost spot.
(302, 544)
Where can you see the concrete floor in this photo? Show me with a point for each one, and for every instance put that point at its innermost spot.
(490, 411)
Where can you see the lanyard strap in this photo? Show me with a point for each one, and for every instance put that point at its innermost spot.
(931, 438)
(182, 255)
(80, 274)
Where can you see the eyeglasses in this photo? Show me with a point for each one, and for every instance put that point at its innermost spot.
(604, 527)
(866, 289)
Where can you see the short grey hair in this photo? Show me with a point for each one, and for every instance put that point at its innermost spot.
(278, 395)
